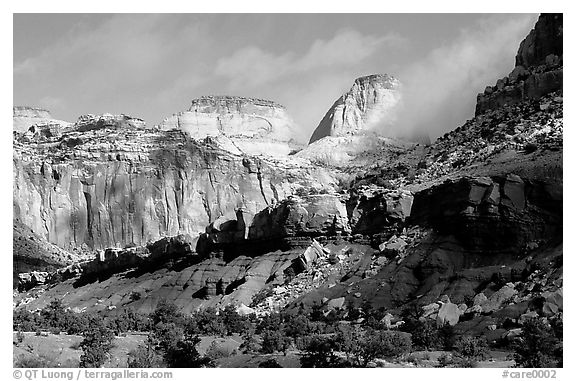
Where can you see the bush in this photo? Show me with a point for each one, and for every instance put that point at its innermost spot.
(274, 341)
(319, 353)
(218, 350)
(20, 337)
(270, 363)
(249, 342)
(145, 356)
(539, 347)
(530, 147)
(233, 321)
(388, 344)
(96, 344)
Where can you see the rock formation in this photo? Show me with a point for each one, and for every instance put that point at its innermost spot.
(368, 105)
(25, 117)
(109, 184)
(244, 125)
(538, 69)
(468, 229)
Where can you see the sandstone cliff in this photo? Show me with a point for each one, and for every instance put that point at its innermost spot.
(24, 117)
(240, 125)
(113, 183)
(368, 105)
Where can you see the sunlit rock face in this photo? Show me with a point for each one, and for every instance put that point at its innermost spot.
(113, 182)
(25, 117)
(369, 104)
(240, 125)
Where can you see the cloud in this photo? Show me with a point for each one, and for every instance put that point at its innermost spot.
(115, 65)
(439, 91)
(251, 66)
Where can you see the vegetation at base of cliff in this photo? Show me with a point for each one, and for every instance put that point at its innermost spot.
(351, 337)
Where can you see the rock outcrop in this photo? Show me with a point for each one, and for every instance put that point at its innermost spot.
(110, 182)
(538, 69)
(246, 125)
(492, 213)
(25, 117)
(369, 104)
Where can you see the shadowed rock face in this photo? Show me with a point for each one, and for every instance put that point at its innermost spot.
(109, 186)
(538, 68)
(492, 213)
(543, 40)
(370, 103)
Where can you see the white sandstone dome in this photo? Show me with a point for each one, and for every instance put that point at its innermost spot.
(255, 126)
(370, 104)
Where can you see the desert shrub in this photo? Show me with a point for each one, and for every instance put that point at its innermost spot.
(347, 340)
(469, 350)
(271, 322)
(218, 350)
(96, 344)
(145, 356)
(539, 346)
(233, 321)
(185, 354)
(210, 323)
(445, 360)
(388, 344)
(249, 342)
(425, 334)
(270, 363)
(274, 341)
(319, 353)
(25, 321)
(175, 338)
(530, 147)
(128, 320)
(167, 312)
(296, 326)
(34, 361)
(20, 337)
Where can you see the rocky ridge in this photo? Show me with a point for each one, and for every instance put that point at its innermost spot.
(538, 69)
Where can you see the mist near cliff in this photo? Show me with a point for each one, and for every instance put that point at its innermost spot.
(151, 66)
(439, 92)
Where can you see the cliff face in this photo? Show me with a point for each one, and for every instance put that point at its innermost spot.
(24, 117)
(368, 104)
(245, 125)
(114, 183)
(538, 68)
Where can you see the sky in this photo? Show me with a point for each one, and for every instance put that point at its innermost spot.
(152, 65)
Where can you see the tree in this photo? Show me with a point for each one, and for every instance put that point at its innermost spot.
(389, 344)
(185, 354)
(347, 341)
(249, 342)
(274, 341)
(233, 321)
(539, 346)
(96, 344)
(319, 353)
(297, 326)
(145, 356)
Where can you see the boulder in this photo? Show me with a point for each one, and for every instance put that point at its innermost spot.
(498, 299)
(336, 303)
(449, 313)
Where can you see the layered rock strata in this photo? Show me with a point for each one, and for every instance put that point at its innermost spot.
(246, 125)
